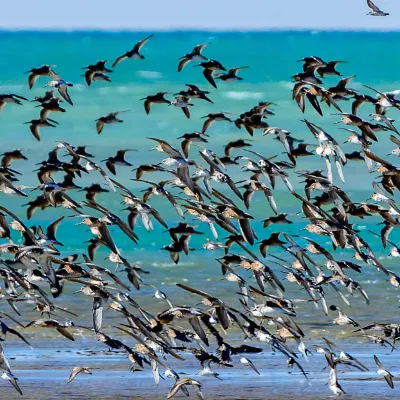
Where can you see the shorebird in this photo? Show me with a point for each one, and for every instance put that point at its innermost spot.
(384, 372)
(375, 11)
(194, 55)
(7, 374)
(61, 86)
(193, 92)
(182, 102)
(211, 118)
(158, 98)
(110, 118)
(231, 75)
(10, 99)
(185, 382)
(208, 68)
(133, 53)
(34, 73)
(118, 159)
(76, 371)
(9, 156)
(96, 72)
(53, 324)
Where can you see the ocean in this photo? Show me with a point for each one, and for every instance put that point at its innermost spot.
(271, 61)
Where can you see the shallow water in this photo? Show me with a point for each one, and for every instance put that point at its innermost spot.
(271, 59)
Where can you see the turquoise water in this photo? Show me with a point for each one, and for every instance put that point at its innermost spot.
(271, 58)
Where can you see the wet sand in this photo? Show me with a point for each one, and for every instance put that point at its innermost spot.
(44, 370)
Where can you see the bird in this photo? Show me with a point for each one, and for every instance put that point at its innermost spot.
(61, 86)
(118, 159)
(7, 374)
(34, 73)
(53, 324)
(194, 55)
(96, 72)
(10, 99)
(375, 11)
(76, 371)
(187, 381)
(158, 98)
(385, 373)
(133, 53)
(231, 75)
(209, 67)
(182, 102)
(211, 118)
(110, 118)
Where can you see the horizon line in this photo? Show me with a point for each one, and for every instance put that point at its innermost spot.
(196, 29)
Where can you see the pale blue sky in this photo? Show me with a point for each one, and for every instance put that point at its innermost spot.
(200, 14)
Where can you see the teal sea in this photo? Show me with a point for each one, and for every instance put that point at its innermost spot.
(271, 60)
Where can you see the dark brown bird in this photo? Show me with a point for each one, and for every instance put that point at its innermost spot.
(133, 53)
(157, 98)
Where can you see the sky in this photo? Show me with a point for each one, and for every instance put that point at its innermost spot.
(197, 14)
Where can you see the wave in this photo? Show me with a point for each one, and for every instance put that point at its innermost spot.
(242, 95)
(150, 74)
(171, 264)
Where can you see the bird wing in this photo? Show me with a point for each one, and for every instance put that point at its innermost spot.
(89, 76)
(378, 188)
(199, 47)
(235, 70)
(193, 290)
(106, 178)
(147, 106)
(119, 59)
(252, 366)
(372, 6)
(108, 240)
(65, 333)
(75, 371)
(186, 111)
(140, 44)
(195, 324)
(111, 167)
(377, 159)
(167, 148)
(395, 140)
(97, 311)
(378, 363)
(6, 182)
(32, 79)
(63, 90)
(207, 123)
(182, 64)
(172, 200)
(389, 380)
(174, 390)
(34, 128)
(208, 74)
(52, 228)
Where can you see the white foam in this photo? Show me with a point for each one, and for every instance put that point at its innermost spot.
(150, 74)
(286, 84)
(242, 95)
(168, 264)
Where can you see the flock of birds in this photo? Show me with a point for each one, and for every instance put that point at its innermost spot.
(34, 272)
